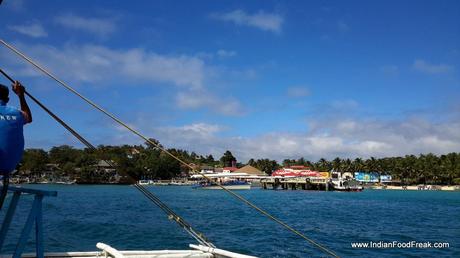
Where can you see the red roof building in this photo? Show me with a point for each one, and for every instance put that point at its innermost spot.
(229, 169)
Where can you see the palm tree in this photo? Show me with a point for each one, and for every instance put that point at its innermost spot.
(432, 167)
(347, 165)
(358, 164)
(336, 164)
(371, 164)
(452, 167)
(323, 165)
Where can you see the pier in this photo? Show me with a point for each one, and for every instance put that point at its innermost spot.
(297, 183)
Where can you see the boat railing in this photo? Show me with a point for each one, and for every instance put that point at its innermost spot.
(34, 217)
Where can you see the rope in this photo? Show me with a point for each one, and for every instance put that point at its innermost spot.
(171, 214)
(117, 120)
(74, 133)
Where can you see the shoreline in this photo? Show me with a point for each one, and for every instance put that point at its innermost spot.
(449, 188)
(446, 188)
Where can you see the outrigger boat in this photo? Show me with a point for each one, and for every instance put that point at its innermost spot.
(229, 184)
(204, 248)
(35, 217)
(231, 181)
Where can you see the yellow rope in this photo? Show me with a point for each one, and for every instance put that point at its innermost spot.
(241, 198)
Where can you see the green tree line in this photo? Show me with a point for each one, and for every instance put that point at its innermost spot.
(410, 169)
(148, 161)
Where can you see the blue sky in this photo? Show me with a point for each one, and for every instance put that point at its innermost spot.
(272, 79)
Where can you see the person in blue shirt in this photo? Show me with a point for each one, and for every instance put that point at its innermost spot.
(12, 121)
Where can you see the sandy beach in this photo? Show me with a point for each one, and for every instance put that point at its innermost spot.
(419, 188)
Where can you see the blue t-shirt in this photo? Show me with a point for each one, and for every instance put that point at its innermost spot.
(11, 138)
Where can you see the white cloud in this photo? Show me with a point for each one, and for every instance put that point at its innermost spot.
(98, 26)
(226, 53)
(201, 98)
(261, 20)
(196, 130)
(93, 63)
(181, 70)
(298, 92)
(326, 138)
(200, 137)
(425, 67)
(34, 30)
(100, 65)
(346, 139)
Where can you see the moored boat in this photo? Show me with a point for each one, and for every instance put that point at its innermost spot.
(35, 216)
(346, 185)
(145, 182)
(198, 251)
(229, 184)
(231, 181)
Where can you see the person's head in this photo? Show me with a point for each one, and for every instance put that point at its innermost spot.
(4, 93)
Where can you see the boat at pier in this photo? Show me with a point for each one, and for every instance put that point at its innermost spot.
(164, 182)
(108, 251)
(203, 248)
(145, 182)
(346, 185)
(229, 184)
(344, 181)
(35, 217)
(231, 181)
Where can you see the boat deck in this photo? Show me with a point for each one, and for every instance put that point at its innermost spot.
(130, 254)
(108, 251)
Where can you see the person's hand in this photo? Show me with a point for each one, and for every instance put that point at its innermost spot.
(18, 89)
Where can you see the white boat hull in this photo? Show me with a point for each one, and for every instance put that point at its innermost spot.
(229, 187)
(108, 251)
(127, 254)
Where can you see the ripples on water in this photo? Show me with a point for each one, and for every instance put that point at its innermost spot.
(81, 216)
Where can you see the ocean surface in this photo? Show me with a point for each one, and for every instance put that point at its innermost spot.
(81, 216)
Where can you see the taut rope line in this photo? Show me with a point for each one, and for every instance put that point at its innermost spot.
(241, 198)
(171, 214)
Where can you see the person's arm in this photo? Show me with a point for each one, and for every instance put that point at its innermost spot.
(19, 90)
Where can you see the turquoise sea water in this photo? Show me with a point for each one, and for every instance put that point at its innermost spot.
(81, 216)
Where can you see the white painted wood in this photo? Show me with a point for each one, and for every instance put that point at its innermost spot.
(110, 250)
(220, 252)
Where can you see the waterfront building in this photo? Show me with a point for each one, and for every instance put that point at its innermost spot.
(207, 170)
(229, 169)
(296, 171)
(367, 177)
(250, 170)
(386, 179)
